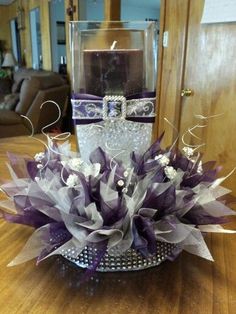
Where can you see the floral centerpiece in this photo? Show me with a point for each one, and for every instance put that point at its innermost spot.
(105, 216)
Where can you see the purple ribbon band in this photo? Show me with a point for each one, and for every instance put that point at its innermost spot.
(91, 108)
(89, 121)
(81, 96)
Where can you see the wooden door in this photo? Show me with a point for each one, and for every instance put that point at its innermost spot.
(204, 60)
(210, 71)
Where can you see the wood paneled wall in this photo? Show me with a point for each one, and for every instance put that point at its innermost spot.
(111, 11)
(4, 26)
(10, 12)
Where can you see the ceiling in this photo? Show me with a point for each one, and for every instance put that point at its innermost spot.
(6, 2)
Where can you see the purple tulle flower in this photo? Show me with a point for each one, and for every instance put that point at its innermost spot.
(144, 236)
(164, 195)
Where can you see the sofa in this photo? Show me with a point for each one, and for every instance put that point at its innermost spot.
(24, 95)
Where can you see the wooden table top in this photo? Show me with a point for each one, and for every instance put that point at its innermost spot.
(187, 285)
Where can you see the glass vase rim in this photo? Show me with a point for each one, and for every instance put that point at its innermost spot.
(100, 22)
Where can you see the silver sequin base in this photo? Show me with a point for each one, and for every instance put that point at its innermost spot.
(129, 261)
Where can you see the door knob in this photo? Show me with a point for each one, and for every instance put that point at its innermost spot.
(186, 92)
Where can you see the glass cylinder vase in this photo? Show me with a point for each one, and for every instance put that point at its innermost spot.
(114, 67)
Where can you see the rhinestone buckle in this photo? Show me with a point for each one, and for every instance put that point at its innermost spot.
(114, 107)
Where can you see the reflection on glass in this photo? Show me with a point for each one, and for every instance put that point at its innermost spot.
(92, 285)
(36, 43)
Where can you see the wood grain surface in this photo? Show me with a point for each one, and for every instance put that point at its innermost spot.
(172, 67)
(200, 57)
(210, 71)
(9, 12)
(112, 10)
(187, 285)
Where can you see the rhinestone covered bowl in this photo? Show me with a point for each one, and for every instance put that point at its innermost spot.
(131, 260)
